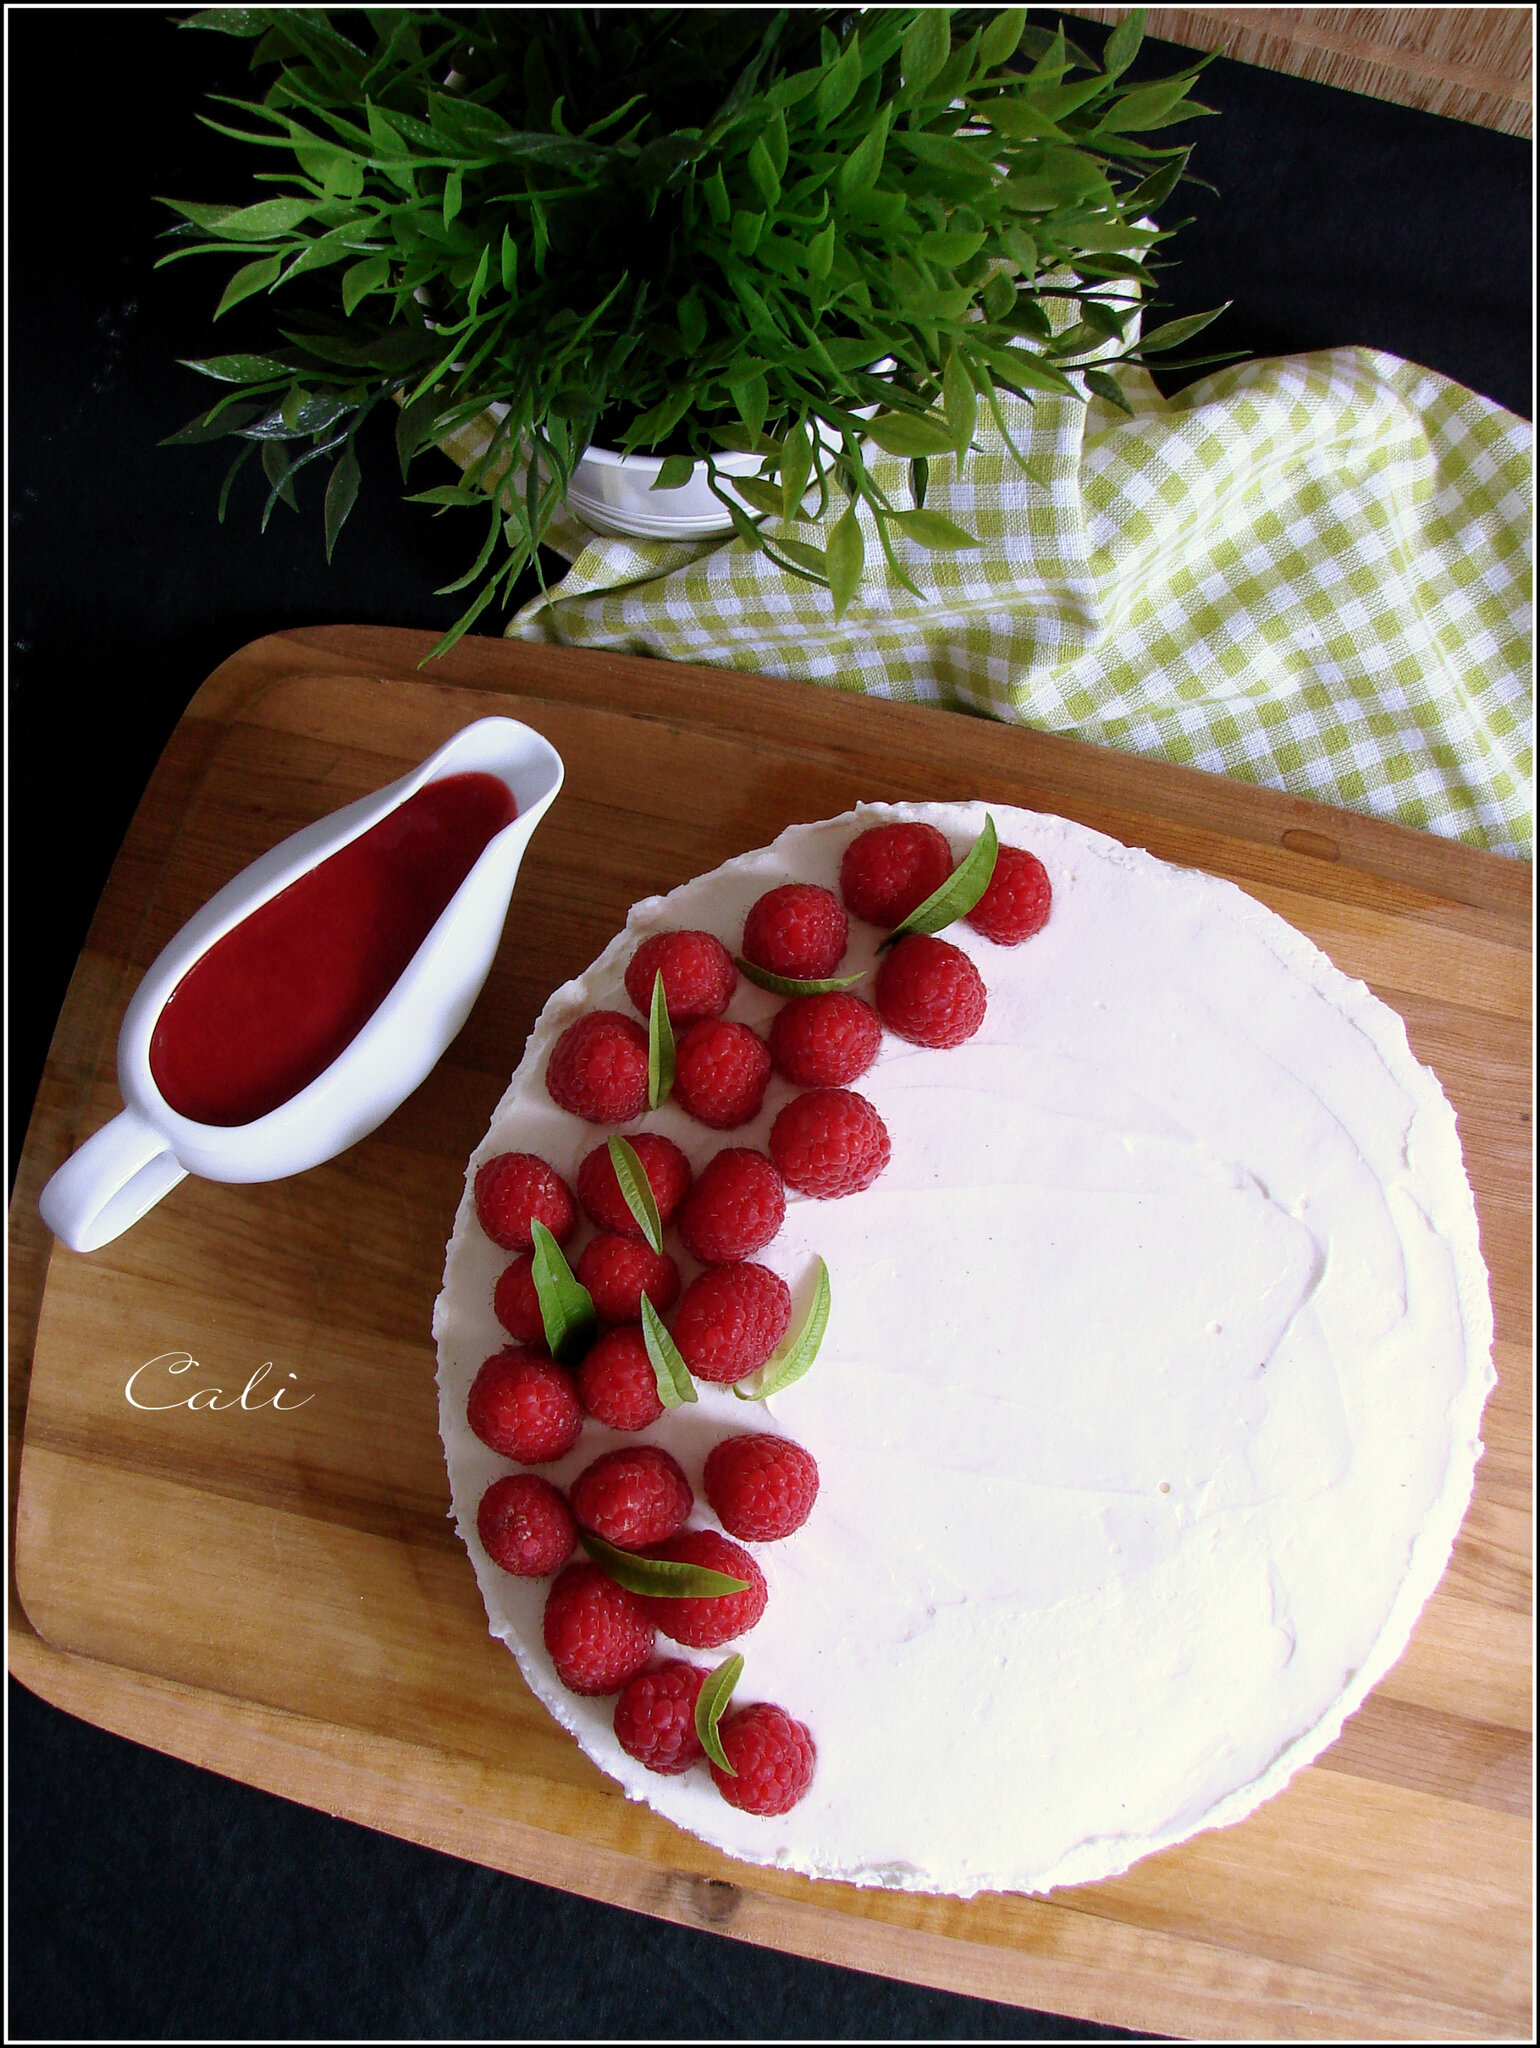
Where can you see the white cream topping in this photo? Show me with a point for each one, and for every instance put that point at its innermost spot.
(1147, 1412)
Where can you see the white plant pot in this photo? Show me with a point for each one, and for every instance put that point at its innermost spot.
(613, 494)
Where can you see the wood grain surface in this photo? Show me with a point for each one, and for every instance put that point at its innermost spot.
(278, 1595)
(1472, 63)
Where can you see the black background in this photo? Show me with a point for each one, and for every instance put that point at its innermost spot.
(148, 1898)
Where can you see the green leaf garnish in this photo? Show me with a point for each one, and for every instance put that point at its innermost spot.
(786, 985)
(566, 1306)
(636, 1188)
(675, 1386)
(795, 1354)
(660, 1047)
(957, 894)
(709, 1704)
(660, 1576)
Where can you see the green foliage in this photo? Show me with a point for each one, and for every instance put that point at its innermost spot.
(707, 229)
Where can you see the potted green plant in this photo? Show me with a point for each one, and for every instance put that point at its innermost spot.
(790, 237)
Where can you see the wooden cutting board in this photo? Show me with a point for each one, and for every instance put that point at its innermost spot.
(277, 1594)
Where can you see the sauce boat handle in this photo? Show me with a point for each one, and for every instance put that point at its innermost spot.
(109, 1182)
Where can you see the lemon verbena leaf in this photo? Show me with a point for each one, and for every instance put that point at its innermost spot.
(659, 1576)
(709, 1704)
(795, 1354)
(660, 1047)
(566, 1306)
(958, 893)
(636, 1190)
(675, 1386)
(788, 985)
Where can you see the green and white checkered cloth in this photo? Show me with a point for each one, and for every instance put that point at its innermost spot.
(1311, 572)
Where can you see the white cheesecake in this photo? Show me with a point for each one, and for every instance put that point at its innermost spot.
(1148, 1407)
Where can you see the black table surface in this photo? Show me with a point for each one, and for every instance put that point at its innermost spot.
(150, 1899)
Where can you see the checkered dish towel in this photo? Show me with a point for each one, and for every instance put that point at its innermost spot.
(1312, 573)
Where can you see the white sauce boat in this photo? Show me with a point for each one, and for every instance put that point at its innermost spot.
(127, 1166)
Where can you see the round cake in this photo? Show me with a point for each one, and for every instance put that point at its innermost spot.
(1147, 1408)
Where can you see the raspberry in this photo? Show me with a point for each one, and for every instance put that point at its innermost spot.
(720, 1073)
(730, 1321)
(597, 1633)
(930, 992)
(889, 870)
(618, 1271)
(824, 1041)
(616, 1382)
(798, 930)
(736, 1206)
(698, 975)
(655, 1717)
(829, 1142)
(631, 1497)
(1017, 901)
(524, 1408)
(598, 1068)
(701, 1621)
(525, 1526)
(515, 1188)
(668, 1175)
(516, 1304)
(773, 1755)
(761, 1487)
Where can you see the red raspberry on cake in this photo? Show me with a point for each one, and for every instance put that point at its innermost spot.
(668, 1175)
(655, 1717)
(524, 1408)
(930, 992)
(761, 1488)
(773, 1755)
(698, 975)
(597, 1634)
(825, 1041)
(1017, 902)
(736, 1206)
(616, 1382)
(515, 1188)
(618, 1271)
(516, 1304)
(721, 1070)
(829, 1142)
(798, 930)
(889, 870)
(598, 1068)
(730, 1320)
(632, 1497)
(525, 1526)
(703, 1621)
